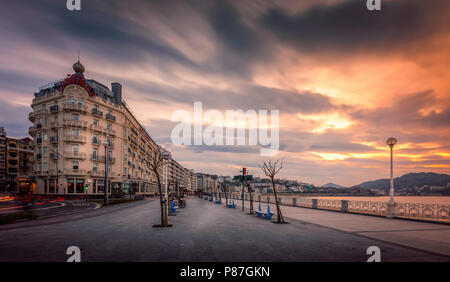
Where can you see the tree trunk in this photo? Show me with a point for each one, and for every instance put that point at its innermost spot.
(161, 202)
(280, 218)
(251, 197)
(226, 197)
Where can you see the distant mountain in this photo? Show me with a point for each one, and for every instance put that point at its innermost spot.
(408, 181)
(332, 185)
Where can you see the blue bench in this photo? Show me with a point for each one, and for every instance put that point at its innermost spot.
(259, 212)
(172, 207)
(232, 205)
(267, 215)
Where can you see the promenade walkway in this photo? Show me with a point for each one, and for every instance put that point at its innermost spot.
(430, 237)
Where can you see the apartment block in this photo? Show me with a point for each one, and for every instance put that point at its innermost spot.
(82, 131)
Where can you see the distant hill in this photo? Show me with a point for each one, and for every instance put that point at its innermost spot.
(408, 181)
(332, 185)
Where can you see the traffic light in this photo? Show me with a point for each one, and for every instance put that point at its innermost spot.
(86, 187)
(244, 170)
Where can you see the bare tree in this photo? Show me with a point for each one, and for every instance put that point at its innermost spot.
(155, 164)
(270, 170)
(249, 190)
(226, 193)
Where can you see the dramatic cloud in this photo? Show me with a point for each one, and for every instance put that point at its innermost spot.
(343, 78)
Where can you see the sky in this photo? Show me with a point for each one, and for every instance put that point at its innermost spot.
(343, 78)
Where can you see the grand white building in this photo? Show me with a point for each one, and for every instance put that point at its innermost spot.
(79, 121)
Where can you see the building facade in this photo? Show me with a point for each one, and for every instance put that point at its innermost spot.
(83, 131)
(16, 160)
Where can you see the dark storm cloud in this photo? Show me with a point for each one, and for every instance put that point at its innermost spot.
(348, 25)
(406, 113)
(232, 31)
(15, 81)
(12, 118)
(241, 97)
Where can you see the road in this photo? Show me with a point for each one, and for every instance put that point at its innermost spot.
(47, 207)
(201, 232)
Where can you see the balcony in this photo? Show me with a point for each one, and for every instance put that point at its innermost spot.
(75, 123)
(97, 173)
(39, 126)
(54, 109)
(69, 171)
(54, 156)
(95, 141)
(31, 116)
(95, 157)
(75, 138)
(98, 158)
(110, 117)
(97, 127)
(97, 112)
(75, 155)
(31, 130)
(54, 124)
(38, 156)
(109, 131)
(75, 107)
(54, 139)
(39, 140)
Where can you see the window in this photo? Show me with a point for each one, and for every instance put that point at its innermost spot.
(95, 167)
(72, 101)
(95, 139)
(124, 171)
(109, 126)
(70, 186)
(76, 117)
(44, 166)
(44, 137)
(80, 186)
(95, 154)
(75, 165)
(53, 185)
(80, 102)
(95, 122)
(75, 148)
(100, 186)
(75, 132)
(44, 151)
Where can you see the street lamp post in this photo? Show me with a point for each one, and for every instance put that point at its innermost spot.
(391, 208)
(106, 173)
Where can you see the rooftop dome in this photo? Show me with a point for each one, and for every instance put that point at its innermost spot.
(78, 67)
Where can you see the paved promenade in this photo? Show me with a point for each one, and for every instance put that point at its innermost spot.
(431, 237)
(203, 231)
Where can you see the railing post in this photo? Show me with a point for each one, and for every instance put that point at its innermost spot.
(294, 202)
(314, 203)
(344, 207)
